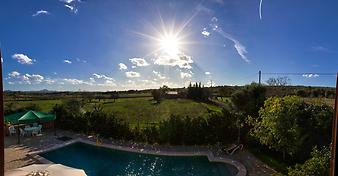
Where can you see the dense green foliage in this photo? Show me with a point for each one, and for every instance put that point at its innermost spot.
(249, 99)
(317, 165)
(292, 126)
(198, 92)
(277, 125)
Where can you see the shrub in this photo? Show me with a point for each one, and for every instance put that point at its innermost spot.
(318, 165)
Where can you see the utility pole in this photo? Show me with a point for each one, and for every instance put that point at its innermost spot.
(333, 162)
(2, 147)
(210, 83)
(259, 77)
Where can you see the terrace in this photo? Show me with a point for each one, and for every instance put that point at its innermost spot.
(19, 155)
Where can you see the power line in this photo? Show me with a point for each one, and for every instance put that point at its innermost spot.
(300, 73)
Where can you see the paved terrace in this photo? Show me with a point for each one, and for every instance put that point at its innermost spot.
(16, 155)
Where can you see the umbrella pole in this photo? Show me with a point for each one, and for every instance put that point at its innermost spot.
(18, 132)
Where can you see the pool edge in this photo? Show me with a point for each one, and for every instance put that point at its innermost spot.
(239, 166)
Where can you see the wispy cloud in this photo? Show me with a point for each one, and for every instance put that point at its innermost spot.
(260, 9)
(40, 12)
(76, 81)
(67, 61)
(219, 1)
(207, 73)
(22, 59)
(14, 74)
(122, 66)
(185, 75)
(158, 74)
(81, 60)
(240, 48)
(321, 49)
(201, 8)
(132, 74)
(102, 76)
(68, 1)
(310, 75)
(139, 62)
(72, 8)
(205, 33)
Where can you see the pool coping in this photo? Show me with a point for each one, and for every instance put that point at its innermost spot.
(239, 166)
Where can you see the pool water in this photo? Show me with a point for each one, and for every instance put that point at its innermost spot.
(100, 161)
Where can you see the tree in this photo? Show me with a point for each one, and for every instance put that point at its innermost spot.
(279, 81)
(198, 92)
(318, 165)
(277, 125)
(114, 95)
(249, 99)
(157, 95)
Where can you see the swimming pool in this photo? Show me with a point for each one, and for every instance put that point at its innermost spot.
(101, 161)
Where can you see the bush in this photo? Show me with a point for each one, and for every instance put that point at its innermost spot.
(290, 125)
(249, 99)
(318, 165)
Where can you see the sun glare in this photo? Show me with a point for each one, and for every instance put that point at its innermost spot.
(169, 44)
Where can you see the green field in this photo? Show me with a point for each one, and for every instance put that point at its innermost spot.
(137, 110)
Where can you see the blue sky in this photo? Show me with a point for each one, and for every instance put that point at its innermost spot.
(110, 45)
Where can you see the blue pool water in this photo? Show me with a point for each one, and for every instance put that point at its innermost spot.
(100, 161)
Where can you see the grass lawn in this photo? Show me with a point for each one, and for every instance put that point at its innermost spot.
(328, 101)
(146, 110)
(45, 105)
(143, 110)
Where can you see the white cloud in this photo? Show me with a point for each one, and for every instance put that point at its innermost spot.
(107, 83)
(102, 76)
(321, 49)
(22, 59)
(29, 79)
(240, 48)
(50, 81)
(40, 12)
(81, 60)
(181, 60)
(122, 66)
(14, 74)
(201, 8)
(260, 9)
(159, 75)
(76, 81)
(132, 74)
(219, 1)
(139, 62)
(92, 80)
(35, 77)
(207, 73)
(10, 82)
(67, 61)
(67, 1)
(72, 8)
(310, 75)
(186, 75)
(205, 33)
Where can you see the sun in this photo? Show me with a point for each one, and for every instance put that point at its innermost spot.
(170, 44)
